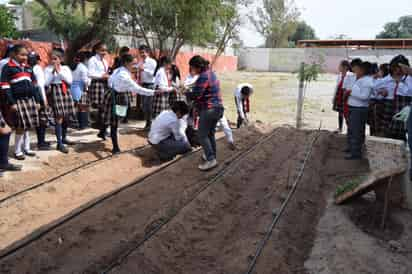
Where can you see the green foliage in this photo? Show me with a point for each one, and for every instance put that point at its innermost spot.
(349, 186)
(7, 26)
(168, 24)
(303, 32)
(277, 20)
(400, 29)
(70, 22)
(310, 72)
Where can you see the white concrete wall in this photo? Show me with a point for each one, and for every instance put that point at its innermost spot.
(288, 59)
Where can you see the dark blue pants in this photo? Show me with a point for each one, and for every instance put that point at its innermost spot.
(208, 119)
(358, 117)
(4, 150)
(170, 148)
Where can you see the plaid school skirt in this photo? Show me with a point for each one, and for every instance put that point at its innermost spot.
(160, 103)
(2, 121)
(97, 91)
(27, 115)
(375, 118)
(62, 104)
(108, 116)
(84, 100)
(397, 128)
(176, 97)
(338, 102)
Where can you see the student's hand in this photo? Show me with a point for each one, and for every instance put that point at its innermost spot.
(57, 68)
(141, 67)
(38, 106)
(383, 92)
(13, 107)
(105, 76)
(405, 69)
(5, 130)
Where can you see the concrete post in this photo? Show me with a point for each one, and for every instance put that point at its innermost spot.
(299, 109)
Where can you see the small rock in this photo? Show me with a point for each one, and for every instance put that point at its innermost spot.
(395, 246)
(60, 240)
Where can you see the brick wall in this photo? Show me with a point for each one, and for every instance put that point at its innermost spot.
(223, 64)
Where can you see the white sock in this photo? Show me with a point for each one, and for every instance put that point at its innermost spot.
(27, 141)
(18, 144)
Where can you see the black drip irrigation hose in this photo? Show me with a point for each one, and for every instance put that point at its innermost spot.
(278, 214)
(51, 180)
(235, 161)
(36, 235)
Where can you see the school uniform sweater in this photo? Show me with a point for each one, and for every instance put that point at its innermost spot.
(18, 82)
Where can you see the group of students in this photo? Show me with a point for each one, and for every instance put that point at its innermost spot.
(376, 95)
(33, 98)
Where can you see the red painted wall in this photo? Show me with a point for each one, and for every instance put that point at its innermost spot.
(223, 64)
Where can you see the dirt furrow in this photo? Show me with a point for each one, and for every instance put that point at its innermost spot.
(87, 243)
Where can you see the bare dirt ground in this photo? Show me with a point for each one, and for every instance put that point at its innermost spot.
(218, 232)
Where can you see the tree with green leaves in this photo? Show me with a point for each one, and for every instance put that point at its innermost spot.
(7, 26)
(303, 32)
(277, 20)
(167, 25)
(400, 29)
(78, 22)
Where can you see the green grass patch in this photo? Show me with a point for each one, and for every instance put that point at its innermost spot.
(349, 185)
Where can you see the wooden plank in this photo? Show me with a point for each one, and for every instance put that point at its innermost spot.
(371, 182)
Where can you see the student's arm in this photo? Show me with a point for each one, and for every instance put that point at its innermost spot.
(162, 82)
(199, 87)
(5, 86)
(66, 74)
(129, 85)
(48, 75)
(179, 130)
(84, 76)
(94, 72)
(239, 106)
(150, 66)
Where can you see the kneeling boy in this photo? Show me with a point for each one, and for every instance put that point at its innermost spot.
(167, 134)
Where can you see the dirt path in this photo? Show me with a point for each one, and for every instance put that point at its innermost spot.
(102, 232)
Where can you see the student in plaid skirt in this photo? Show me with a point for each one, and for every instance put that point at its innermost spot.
(79, 88)
(34, 62)
(120, 82)
(376, 106)
(5, 133)
(163, 86)
(338, 101)
(176, 95)
(396, 96)
(23, 98)
(98, 73)
(58, 80)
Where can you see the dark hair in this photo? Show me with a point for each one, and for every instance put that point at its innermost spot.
(366, 67)
(144, 48)
(124, 50)
(357, 62)
(33, 59)
(400, 59)
(58, 52)
(98, 46)
(9, 50)
(80, 57)
(246, 91)
(127, 59)
(385, 69)
(346, 64)
(374, 68)
(175, 73)
(181, 107)
(164, 60)
(17, 48)
(199, 62)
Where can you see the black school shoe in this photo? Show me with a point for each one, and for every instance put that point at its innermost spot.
(30, 153)
(20, 157)
(116, 151)
(11, 167)
(69, 143)
(62, 149)
(44, 147)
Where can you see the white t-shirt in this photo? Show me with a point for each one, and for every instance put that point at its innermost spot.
(166, 125)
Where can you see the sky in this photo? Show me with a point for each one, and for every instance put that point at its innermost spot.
(358, 19)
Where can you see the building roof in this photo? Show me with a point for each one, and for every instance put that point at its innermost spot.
(374, 44)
